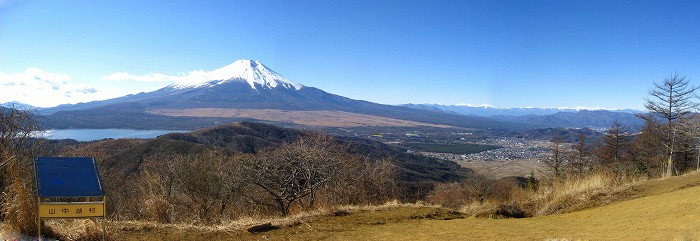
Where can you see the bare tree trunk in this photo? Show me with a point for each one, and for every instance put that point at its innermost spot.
(669, 164)
(697, 160)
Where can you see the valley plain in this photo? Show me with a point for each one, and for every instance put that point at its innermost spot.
(315, 118)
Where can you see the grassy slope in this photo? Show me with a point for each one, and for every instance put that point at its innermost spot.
(652, 210)
(661, 217)
(667, 209)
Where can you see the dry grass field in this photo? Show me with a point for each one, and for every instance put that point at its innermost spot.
(322, 118)
(664, 209)
(670, 213)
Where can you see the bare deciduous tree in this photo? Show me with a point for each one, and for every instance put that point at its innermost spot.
(314, 170)
(556, 160)
(612, 152)
(203, 184)
(363, 181)
(691, 129)
(293, 171)
(646, 153)
(672, 101)
(17, 128)
(580, 160)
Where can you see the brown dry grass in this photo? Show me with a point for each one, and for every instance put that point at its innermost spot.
(575, 193)
(323, 118)
(665, 216)
(664, 209)
(558, 196)
(77, 229)
(661, 216)
(84, 229)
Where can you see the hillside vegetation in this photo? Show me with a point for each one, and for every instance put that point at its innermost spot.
(225, 172)
(661, 209)
(248, 137)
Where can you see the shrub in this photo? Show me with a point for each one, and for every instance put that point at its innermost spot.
(18, 199)
(451, 195)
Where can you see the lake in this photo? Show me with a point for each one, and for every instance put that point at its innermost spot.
(98, 134)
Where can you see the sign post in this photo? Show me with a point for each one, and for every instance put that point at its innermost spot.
(69, 187)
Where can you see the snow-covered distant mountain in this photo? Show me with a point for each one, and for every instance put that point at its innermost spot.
(246, 90)
(579, 117)
(490, 111)
(249, 71)
(17, 105)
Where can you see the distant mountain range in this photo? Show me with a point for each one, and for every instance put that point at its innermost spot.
(489, 111)
(544, 117)
(17, 105)
(595, 119)
(248, 90)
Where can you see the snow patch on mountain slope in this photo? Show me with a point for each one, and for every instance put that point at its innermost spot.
(250, 71)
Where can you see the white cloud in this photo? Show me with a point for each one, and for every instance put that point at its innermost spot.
(43, 89)
(153, 77)
(195, 76)
(471, 105)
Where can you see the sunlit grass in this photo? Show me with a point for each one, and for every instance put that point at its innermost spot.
(667, 210)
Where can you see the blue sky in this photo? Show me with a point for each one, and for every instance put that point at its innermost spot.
(502, 53)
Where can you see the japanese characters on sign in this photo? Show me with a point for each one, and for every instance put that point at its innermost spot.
(71, 210)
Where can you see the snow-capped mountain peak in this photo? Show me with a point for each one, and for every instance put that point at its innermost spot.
(251, 71)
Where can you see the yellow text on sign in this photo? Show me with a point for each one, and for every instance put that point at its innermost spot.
(71, 210)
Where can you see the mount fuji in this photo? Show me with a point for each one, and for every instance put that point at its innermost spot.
(252, 72)
(246, 90)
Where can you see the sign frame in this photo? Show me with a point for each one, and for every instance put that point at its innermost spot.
(83, 203)
(71, 210)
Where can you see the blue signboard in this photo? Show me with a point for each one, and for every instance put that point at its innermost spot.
(68, 177)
